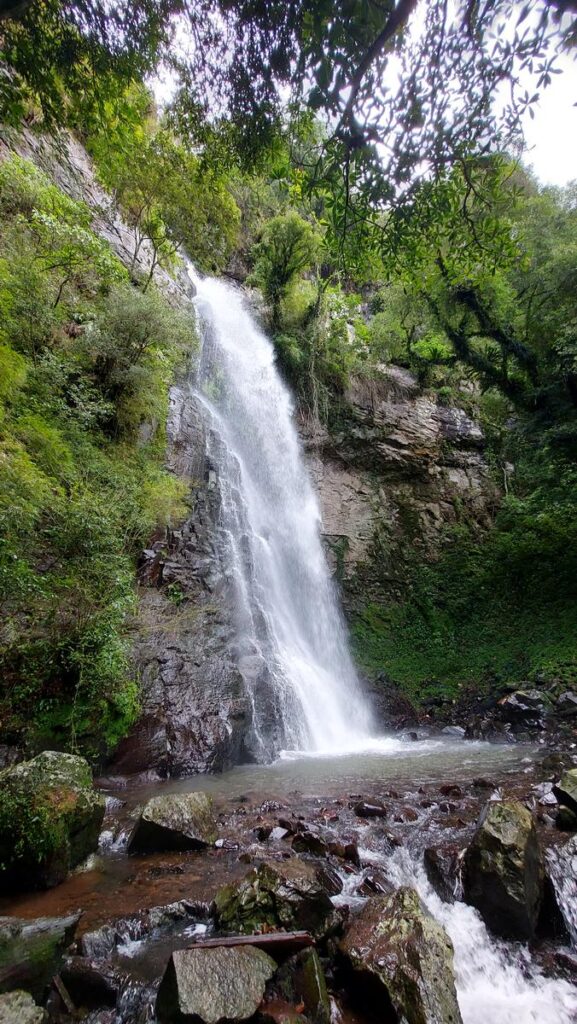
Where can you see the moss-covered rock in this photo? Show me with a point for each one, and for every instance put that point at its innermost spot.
(301, 979)
(50, 819)
(504, 870)
(19, 1008)
(174, 822)
(396, 941)
(286, 894)
(30, 951)
(566, 790)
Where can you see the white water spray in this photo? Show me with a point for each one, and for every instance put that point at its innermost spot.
(497, 982)
(288, 612)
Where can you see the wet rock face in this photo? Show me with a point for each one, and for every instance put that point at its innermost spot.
(213, 985)
(566, 790)
(396, 941)
(289, 894)
(442, 869)
(301, 980)
(50, 819)
(19, 1008)
(395, 467)
(30, 950)
(503, 870)
(197, 676)
(174, 822)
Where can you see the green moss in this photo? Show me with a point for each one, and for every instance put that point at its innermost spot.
(86, 364)
(493, 610)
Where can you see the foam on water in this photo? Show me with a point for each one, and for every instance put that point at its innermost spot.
(497, 982)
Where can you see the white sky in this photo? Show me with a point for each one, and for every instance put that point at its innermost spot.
(552, 135)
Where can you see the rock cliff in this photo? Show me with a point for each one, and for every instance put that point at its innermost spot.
(397, 470)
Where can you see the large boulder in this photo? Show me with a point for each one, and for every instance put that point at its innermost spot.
(213, 985)
(504, 870)
(289, 894)
(562, 875)
(19, 1008)
(182, 821)
(31, 950)
(50, 819)
(566, 790)
(400, 945)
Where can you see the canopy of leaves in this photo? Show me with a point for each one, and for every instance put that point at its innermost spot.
(405, 88)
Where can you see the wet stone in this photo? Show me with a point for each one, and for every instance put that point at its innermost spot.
(370, 809)
(289, 894)
(19, 1008)
(30, 950)
(503, 870)
(174, 822)
(395, 940)
(213, 985)
(566, 790)
(442, 869)
(301, 981)
(63, 813)
(91, 983)
(308, 842)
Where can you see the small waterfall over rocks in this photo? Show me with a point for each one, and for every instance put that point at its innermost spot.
(293, 651)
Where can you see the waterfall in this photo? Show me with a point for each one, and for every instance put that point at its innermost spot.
(288, 615)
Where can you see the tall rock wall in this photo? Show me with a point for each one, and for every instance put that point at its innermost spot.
(396, 473)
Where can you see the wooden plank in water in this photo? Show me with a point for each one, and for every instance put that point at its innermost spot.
(272, 942)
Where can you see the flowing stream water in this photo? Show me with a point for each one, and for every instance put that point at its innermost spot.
(288, 610)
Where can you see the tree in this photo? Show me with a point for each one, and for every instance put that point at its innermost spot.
(407, 89)
(172, 199)
(288, 246)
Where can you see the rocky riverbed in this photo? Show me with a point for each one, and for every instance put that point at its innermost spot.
(430, 882)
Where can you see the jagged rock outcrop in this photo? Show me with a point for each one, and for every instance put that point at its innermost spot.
(395, 472)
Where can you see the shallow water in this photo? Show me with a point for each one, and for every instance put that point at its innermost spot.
(377, 763)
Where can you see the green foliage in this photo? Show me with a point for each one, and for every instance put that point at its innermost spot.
(495, 608)
(134, 344)
(288, 246)
(83, 403)
(173, 200)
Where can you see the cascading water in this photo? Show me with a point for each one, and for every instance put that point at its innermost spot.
(497, 982)
(288, 612)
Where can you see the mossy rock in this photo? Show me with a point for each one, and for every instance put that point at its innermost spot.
(50, 819)
(286, 894)
(504, 870)
(30, 951)
(409, 956)
(566, 790)
(20, 1008)
(175, 821)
